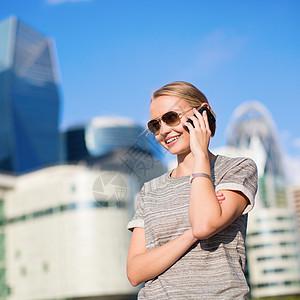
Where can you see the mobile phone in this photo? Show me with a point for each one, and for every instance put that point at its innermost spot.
(210, 117)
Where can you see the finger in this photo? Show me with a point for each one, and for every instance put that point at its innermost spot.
(189, 126)
(195, 121)
(200, 118)
(220, 196)
(205, 117)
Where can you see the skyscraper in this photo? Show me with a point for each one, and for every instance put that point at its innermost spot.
(115, 143)
(29, 99)
(272, 248)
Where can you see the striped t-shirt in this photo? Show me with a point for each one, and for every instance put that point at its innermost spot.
(213, 268)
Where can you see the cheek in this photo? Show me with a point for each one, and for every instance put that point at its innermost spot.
(158, 138)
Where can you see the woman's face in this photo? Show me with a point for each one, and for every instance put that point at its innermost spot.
(175, 139)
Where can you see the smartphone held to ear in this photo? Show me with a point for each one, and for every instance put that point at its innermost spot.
(210, 117)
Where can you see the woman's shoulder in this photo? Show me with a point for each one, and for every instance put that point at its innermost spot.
(226, 162)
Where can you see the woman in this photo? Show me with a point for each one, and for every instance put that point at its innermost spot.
(185, 244)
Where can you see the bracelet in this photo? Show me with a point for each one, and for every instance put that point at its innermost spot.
(194, 175)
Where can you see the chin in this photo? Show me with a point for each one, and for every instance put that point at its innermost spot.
(179, 150)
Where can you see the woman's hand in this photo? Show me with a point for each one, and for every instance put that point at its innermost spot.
(199, 133)
(143, 265)
(220, 197)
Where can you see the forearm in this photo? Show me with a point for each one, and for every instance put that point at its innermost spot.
(144, 266)
(204, 208)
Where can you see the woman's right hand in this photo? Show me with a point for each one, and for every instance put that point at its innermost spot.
(143, 265)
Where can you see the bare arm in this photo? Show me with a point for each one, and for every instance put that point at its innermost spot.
(143, 265)
(207, 217)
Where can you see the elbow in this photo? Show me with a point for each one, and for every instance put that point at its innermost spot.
(202, 232)
(132, 278)
(133, 283)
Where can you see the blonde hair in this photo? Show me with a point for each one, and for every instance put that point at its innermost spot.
(185, 91)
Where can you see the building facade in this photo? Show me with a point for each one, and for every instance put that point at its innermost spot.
(104, 135)
(7, 183)
(29, 99)
(66, 234)
(294, 197)
(115, 143)
(272, 240)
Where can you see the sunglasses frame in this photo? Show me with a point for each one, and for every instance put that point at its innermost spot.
(160, 119)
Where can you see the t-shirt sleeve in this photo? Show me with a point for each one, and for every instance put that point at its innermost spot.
(138, 218)
(241, 176)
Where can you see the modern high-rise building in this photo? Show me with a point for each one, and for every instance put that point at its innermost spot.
(104, 135)
(115, 143)
(272, 240)
(29, 98)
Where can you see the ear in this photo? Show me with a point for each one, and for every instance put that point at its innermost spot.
(205, 104)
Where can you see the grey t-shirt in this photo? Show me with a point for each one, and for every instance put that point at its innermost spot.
(213, 268)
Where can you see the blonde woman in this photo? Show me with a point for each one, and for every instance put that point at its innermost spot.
(185, 244)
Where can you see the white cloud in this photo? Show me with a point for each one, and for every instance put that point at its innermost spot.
(217, 48)
(53, 2)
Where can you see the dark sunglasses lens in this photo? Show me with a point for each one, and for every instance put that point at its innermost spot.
(154, 126)
(171, 118)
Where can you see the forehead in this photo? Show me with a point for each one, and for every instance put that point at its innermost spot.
(163, 104)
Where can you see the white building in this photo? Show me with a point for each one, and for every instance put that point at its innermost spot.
(294, 197)
(272, 242)
(66, 234)
(7, 183)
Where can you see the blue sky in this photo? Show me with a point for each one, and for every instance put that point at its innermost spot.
(114, 53)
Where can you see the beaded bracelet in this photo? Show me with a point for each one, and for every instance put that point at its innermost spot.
(194, 175)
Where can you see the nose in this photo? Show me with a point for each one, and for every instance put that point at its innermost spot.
(164, 128)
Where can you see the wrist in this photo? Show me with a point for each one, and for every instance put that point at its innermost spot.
(190, 237)
(201, 166)
(201, 157)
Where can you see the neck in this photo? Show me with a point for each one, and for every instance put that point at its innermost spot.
(186, 163)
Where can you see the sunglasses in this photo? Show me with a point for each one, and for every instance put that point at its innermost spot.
(171, 118)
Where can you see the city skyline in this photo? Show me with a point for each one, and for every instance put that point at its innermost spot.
(116, 53)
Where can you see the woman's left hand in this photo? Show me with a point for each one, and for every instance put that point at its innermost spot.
(199, 133)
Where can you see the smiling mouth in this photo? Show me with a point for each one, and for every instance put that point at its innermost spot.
(172, 140)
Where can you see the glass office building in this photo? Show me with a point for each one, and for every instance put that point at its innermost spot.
(272, 241)
(104, 135)
(115, 143)
(29, 99)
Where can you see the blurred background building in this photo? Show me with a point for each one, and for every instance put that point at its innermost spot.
(272, 239)
(63, 243)
(29, 106)
(294, 196)
(114, 143)
(7, 183)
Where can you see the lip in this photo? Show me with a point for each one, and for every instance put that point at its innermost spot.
(173, 142)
